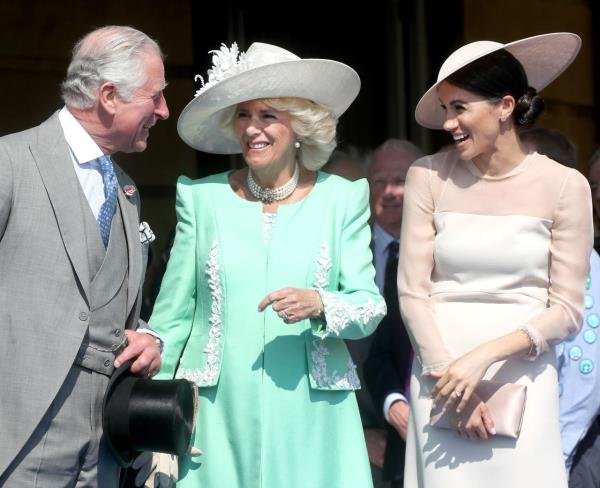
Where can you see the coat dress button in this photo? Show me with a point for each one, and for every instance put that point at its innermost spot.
(83, 316)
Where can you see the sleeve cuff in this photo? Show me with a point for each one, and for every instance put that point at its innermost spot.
(389, 400)
(536, 341)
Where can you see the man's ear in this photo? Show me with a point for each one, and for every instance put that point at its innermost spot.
(108, 97)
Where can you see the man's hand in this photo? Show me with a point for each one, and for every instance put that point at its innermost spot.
(376, 442)
(145, 350)
(398, 415)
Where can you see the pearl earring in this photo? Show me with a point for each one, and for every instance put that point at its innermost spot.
(297, 145)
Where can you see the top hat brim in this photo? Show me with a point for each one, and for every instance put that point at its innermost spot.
(329, 83)
(123, 455)
(141, 414)
(543, 58)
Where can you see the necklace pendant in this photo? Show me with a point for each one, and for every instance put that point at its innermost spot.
(268, 195)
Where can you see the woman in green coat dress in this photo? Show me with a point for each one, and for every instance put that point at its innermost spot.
(269, 273)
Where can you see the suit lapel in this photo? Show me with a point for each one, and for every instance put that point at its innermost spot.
(129, 212)
(53, 159)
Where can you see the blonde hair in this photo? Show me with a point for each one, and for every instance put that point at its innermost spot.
(313, 124)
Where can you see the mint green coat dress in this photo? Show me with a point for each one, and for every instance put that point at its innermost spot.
(277, 406)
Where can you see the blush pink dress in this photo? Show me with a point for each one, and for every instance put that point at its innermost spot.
(480, 257)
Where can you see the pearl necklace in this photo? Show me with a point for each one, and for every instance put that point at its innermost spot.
(268, 195)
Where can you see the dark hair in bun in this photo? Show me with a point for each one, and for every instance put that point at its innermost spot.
(499, 74)
(528, 108)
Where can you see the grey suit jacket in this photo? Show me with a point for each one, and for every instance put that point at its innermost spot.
(44, 280)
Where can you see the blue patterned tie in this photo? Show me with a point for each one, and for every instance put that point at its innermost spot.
(110, 194)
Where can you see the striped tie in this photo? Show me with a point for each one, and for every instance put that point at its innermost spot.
(110, 194)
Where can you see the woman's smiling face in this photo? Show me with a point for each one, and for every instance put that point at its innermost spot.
(265, 134)
(472, 120)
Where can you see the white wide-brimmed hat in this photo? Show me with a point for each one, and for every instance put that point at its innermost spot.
(263, 71)
(543, 58)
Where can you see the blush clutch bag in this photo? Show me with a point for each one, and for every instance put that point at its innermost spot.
(505, 401)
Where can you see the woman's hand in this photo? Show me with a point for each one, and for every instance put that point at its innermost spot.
(474, 422)
(458, 381)
(293, 304)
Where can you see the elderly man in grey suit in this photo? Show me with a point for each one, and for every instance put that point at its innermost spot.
(72, 264)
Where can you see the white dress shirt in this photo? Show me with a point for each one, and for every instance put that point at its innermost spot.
(84, 152)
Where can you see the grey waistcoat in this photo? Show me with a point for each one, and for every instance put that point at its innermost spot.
(108, 294)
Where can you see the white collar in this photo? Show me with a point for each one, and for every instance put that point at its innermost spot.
(80, 142)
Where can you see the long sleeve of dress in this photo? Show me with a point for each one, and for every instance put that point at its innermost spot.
(356, 307)
(173, 312)
(415, 268)
(570, 247)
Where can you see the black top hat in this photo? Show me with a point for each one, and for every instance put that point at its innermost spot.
(141, 414)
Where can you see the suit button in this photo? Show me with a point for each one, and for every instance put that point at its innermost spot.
(107, 363)
(83, 316)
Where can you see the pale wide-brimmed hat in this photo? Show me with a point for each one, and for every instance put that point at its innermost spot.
(543, 58)
(263, 71)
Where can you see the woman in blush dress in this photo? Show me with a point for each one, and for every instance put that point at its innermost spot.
(493, 260)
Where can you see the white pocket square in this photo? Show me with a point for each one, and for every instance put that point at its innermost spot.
(146, 234)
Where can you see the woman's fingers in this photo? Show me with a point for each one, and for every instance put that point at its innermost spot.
(478, 425)
(292, 304)
(264, 303)
(437, 374)
(488, 422)
(442, 379)
(280, 305)
(452, 394)
(465, 396)
(451, 398)
(273, 298)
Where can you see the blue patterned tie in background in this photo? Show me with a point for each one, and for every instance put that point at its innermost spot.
(110, 194)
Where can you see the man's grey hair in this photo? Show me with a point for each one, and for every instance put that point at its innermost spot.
(401, 146)
(112, 53)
